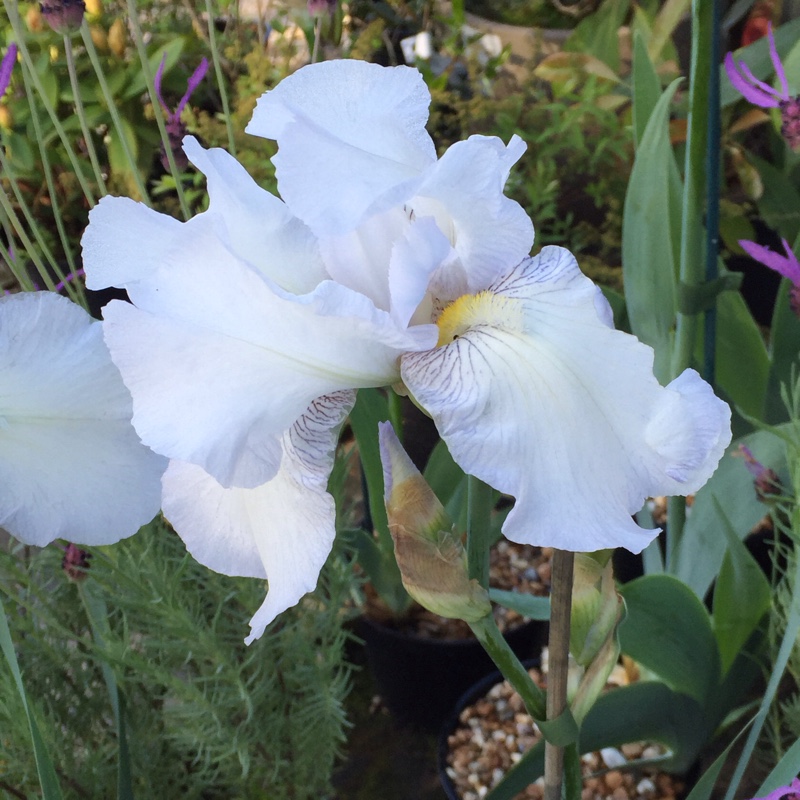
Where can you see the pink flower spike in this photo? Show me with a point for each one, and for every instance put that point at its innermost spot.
(787, 265)
(753, 90)
(157, 82)
(194, 82)
(6, 67)
(776, 62)
(792, 791)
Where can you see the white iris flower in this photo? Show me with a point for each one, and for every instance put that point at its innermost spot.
(253, 323)
(71, 465)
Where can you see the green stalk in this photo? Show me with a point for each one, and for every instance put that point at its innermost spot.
(21, 277)
(692, 272)
(558, 666)
(88, 43)
(73, 289)
(488, 634)
(157, 111)
(28, 61)
(25, 239)
(223, 93)
(479, 510)
(87, 134)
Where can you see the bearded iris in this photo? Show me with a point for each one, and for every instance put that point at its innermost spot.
(253, 323)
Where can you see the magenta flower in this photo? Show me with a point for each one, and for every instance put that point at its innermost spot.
(6, 67)
(792, 791)
(787, 265)
(762, 94)
(755, 91)
(176, 130)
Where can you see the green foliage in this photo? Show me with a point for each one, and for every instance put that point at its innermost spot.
(206, 715)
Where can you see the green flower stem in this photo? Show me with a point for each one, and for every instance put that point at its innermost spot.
(87, 134)
(223, 93)
(21, 277)
(136, 29)
(19, 229)
(488, 634)
(73, 288)
(479, 510)
(692, 271)
(19, 35)
(558, 665)
(91, 50)
(395, 405)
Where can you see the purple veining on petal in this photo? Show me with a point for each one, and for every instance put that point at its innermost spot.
(787, 265)
(6, 67)
(194, 82)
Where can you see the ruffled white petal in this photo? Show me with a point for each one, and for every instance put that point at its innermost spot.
(464, 193)
(351, 139)
(71, 465)
(260, 228)
(220, 363)
(125, 242)
(282, 530)
(541, 399)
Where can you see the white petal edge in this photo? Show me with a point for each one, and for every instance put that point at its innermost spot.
(351, 135)
(71, 465)
(282, 530)
(548, 404)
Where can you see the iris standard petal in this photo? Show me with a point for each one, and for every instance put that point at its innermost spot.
(71, 465)
(537, 396)
(351, 139)
(260, 228)
(220, 363)
(282, 530)
(464, 193)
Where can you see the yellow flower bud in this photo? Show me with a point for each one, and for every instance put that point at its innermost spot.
(99, 37)
(53, 54)
(94, 9)
(6, 120)
(116, 38)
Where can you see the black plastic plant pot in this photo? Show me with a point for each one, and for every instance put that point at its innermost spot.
(420, 679)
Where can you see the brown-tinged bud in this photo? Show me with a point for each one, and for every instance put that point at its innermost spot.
(34, 20)
(430, 555)
(63, 16)
(597, 610)
(6, 119)
(75, 562)
(117, 38)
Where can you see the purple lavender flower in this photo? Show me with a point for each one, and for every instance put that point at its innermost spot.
(176, 130)
(792, 792)
(762, 94)
(765, 480)
(787, 265)
(6, 67)
(63, 16)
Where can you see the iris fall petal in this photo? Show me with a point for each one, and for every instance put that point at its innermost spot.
(282, 530)
(71, 465)
(538, 397)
